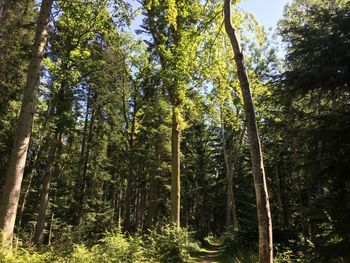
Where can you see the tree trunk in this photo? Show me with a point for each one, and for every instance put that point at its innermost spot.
(85, 155)
(231, 200)
(262, 199)
(175, 168)
(50, 230)
(231, 214)
(32, 171)
(4, 7)
(12, 187)
(44, 200)
(129, 191)
(154, 186)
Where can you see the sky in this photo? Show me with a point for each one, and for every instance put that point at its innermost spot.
(267, 12)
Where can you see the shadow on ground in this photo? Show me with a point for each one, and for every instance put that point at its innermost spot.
(211, 253)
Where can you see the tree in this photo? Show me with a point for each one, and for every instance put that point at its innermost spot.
(16, 38)
(10, 197)
(262, 199)
(311, 98)
(173, 26)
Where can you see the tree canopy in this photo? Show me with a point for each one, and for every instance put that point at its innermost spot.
(168, 131)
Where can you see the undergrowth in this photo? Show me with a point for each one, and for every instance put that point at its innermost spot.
(163, 244)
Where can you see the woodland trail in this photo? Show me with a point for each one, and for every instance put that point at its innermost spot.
(211, 254)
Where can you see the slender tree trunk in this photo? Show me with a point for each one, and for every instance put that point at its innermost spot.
(120, 206)
(231, 214)
(142, 208)
(153, 203)
(86, 147)
(282, 214)
(154, 187)
(262, 199)
(50, 230)
(44, 200)
(26, 194)
(129, 190)
(12, 187)
(137, 208)
(186, 203)
(175, 168)
(4, 7)
(284, 198)
(130, 175)
(231, 200)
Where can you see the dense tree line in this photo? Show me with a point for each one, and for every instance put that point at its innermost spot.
(106, 137)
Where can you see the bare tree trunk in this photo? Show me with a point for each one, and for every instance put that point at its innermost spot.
(175, 168)
(153, 203)
(231, 200)
(86, 147)
(137, 208)
(142, 208)
(130, 176)
(44, 200)
(32, 171)
(154, 186)
(12, 187)
(140, 198)
(231, 214)
(262, 199)
(129, 191)
(186, 204)
(50, 230)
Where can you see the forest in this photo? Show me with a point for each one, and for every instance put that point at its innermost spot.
(174, 131)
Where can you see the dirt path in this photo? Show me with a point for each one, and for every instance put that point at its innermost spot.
(210, 254)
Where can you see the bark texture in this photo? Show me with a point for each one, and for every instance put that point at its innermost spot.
(14, 176)
(262, 199)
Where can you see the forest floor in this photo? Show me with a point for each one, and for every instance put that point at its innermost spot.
(211, 254)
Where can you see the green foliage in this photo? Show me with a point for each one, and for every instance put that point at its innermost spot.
(170, 244)
(81, 254)
(23, 256)
(237, 242)
(312, 98)
(287, 255)
(163, 244)
(17, 24)
(116, 247)
(111, 94)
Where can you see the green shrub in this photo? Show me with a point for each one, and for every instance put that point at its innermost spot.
(164, 244)
(81, 254)
(116, 247)
(23, 256)
(169, 244)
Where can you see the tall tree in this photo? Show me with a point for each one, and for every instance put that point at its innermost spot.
(174, 28)
(262, 199)
(17, 29)
(12, 187)
(312, 102)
